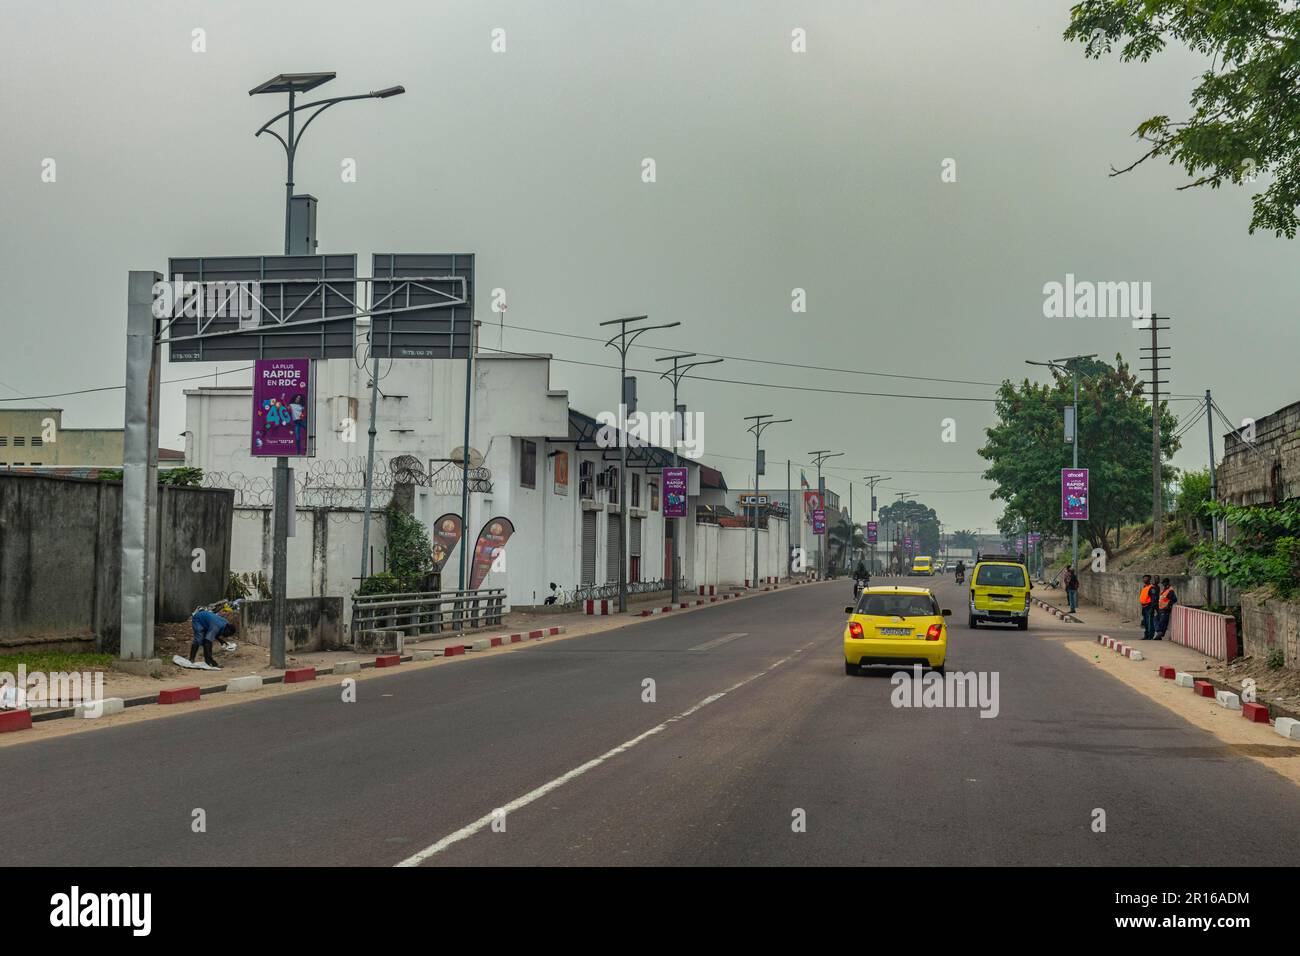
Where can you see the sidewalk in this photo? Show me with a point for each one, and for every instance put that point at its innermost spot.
(251, 660)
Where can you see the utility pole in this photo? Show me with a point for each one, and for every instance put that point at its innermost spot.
(1071, 367)
(819, 457)
(757, 428)
(623, 341)
(1215, 584)
(1156, 353)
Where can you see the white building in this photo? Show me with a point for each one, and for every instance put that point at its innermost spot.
(543, 466)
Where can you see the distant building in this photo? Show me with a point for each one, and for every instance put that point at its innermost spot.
(1261, 460)
(36, 439)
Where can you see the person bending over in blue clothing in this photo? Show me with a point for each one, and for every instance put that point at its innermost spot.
(208, 626)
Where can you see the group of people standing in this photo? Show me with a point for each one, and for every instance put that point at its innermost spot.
(1157, 598)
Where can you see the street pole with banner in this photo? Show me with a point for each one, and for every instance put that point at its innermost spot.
(675, 375)
(761, 422)
(818, 457)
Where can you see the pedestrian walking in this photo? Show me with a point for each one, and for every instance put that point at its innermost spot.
(1168, 598)
(1071, 582)
(1147, 602)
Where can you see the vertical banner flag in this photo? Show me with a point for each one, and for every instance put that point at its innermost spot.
(675, 488)
(872, 530)
(561, 472)
(491, 539)
(446, 535)
(1074, 494)
(819, 521)
(812, 501)
(280, 407)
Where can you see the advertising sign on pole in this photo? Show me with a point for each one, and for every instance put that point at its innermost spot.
(675, 488)
(872, 531)
(819, 521)
(1074, 494)
(281, 406)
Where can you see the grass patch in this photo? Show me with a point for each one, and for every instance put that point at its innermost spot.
(48, 661)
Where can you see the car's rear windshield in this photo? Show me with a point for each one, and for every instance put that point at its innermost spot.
(898, 605)
(1001, 576)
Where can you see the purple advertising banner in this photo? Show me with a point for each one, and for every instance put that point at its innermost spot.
(819, 521)
(675, 488)
(1074, 494)
(281, 405)
(872, 531)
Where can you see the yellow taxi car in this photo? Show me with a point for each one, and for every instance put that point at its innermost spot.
(922, 565)
(895, 625)
(999, 591)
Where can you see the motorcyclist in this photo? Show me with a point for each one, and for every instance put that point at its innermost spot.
(961, 571)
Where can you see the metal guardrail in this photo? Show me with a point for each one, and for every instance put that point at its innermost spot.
(428, 612)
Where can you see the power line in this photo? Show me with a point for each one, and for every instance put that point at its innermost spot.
(113, 388)
(757, 361)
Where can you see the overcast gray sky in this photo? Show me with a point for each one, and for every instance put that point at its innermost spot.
(775, 170)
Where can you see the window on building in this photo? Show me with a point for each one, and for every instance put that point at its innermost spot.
(4, 442)
(611, 484)
(654, 496)
(636, 490)
(19, 441)
(37, 442)
(587, 479)
(527, 463)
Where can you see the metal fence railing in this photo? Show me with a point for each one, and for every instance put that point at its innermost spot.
(428, 612)
(587, 592)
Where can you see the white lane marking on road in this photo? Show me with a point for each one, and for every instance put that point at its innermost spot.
(466, 832)
(718, 640)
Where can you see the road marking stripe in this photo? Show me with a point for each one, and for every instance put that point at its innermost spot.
(466, 832)
(718, 640)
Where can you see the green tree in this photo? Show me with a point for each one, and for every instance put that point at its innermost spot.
(920, 518)
(965, 539)
(1026, 450)
(1245, 114)
(410, 552)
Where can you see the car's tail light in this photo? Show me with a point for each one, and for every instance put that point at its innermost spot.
(934, 632)
(855, 631)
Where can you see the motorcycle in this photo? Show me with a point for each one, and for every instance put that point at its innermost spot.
(961, 577)
(858, 585)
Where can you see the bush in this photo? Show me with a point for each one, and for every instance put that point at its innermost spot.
(1276, 659)
(1178, 543)
(381, 583)
(410, 552)
(1265, 551)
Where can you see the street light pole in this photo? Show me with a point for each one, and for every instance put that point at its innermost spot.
(1071, 366)
(293, 84)
(873, 480)
(675, 375)
(757, 428)
(624, 342)
(818, 457)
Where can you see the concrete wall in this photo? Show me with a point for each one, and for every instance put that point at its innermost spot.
(1118, 590)
(311, 624)
(1268, 625)
(324, 554)
(1266, 471)
(725, 556)
(60, 557)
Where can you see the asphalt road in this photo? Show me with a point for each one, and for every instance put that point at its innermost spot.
(753, 725)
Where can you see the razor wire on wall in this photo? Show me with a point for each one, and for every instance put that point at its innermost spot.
(341, 482)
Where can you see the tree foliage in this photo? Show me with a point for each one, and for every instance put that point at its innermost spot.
(1245, 114)
(1026, 450)
(922, 520)
(1264, 550)
(965, 539)
(410, 552)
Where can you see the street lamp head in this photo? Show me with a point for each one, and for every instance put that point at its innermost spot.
(387, 92)
(292, 83)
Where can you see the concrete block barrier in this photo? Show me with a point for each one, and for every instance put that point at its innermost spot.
(388, 660)
(424, 655)
(299, 675)
(1228, 700)
(1255, 713)
(180, 695)
(1166, 671)
(1203, 688)
(11, 720)
(100, 708)
(1287, 727)
(1184, 679)
(243, 685)
(347, 667)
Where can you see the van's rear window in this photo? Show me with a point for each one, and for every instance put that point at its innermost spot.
(1001, 576)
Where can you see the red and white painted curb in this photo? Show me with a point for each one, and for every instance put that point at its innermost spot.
(651, 611)
(602, 606)
(1063, 615)
(1119, 647)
